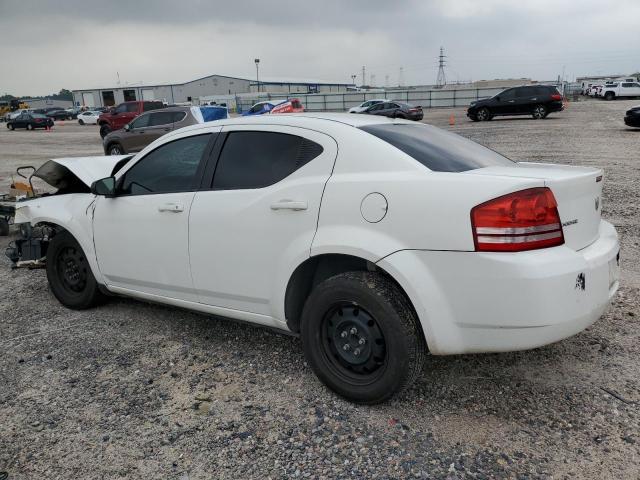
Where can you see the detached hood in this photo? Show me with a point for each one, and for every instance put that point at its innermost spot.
(65, 173)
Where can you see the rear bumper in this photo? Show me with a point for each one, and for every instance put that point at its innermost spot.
(470, 302)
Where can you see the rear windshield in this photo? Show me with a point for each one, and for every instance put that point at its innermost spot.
(437, 149)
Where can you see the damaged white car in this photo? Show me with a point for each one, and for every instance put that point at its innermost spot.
(375, 240)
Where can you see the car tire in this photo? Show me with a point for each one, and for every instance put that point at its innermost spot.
(81, 122)
(104, 130)
(539, 112)
(4, 227)
(368, 312)
(10, 126)
(69, 274)
(115, 149)
(484, 114)
(609, 96)
(474, 118)
(29, 126)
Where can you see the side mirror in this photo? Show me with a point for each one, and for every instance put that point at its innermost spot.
(105, 186)
(127, 127)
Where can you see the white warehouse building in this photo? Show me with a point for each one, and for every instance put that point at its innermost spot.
(212, 85)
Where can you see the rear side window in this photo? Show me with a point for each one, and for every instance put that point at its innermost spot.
(259, 159)
(146, 106)
(160, 118)
(172, 167)
(178, 116)
(131, 107)
(437, 149)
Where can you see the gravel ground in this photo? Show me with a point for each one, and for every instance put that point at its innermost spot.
(145, 391)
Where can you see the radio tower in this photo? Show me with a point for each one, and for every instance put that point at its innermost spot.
(442, 79)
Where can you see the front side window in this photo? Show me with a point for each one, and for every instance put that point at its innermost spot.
(172, 167)
(258, 159)
(508, 94)
(131, 107)
(437, 149)
(140, 122)
(121, 108)
(523, 92)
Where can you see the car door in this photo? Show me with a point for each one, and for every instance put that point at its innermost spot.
(505, 102)
(134, 139)
(257, 221)
(141, 234)
(160, 124)
(525, 99)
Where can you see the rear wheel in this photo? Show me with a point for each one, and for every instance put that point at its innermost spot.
(69, 274)
(361, 337)
(29, 126)
(104, 130)
(539, 111)
(484, 114)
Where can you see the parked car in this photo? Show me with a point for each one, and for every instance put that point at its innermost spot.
(275, 106)
(615, 90)
(30, 121)
(14, 114)
(632, 117)
(146, 128)
(393, 109)
(365, 105)
(119, 116)
(90, 117)
(375, 240)
(59, 114)
(535, 100)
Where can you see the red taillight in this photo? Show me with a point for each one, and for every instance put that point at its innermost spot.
(556, 96)
(524, 220)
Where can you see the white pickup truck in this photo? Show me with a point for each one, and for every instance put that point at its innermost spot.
(614, 90)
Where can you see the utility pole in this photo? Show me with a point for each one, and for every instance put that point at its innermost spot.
(364, 79)
(386, 80)
(441, 81)
(401, 77)
(257, 60)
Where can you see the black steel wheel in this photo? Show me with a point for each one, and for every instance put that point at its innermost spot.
(361, 336)
(69, 273)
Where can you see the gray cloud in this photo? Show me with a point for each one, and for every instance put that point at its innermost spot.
(84, 43)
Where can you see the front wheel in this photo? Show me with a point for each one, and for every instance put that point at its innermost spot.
(10, 126)
(81, 122)
(69, 274)
(104, 130)
(609, 96)
(29, 126)
(484, 114)
(361, 337)
(539, 112)
(115, 149)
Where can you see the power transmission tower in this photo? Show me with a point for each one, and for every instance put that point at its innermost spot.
(442, 79)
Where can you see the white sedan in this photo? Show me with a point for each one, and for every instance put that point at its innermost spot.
(375, 240)
(88, 118)
(365, 105)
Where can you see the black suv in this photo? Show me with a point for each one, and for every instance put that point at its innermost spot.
(536, 100)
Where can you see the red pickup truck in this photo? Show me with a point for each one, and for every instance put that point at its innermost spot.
(118, 117)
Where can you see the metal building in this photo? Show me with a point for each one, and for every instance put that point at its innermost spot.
(212, 85)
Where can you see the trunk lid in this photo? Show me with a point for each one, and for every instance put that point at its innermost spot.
(578, 191)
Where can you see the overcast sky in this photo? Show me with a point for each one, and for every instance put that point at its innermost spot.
(49, 45)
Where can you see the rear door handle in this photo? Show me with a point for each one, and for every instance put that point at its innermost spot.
(289, 205)
(171, 207)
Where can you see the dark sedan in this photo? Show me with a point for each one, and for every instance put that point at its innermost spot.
(396, 110)
(30, 121)
(632, 117)
(535, 100)
(59, 115)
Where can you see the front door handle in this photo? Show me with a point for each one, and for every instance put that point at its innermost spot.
(171, 207)
(289, 205)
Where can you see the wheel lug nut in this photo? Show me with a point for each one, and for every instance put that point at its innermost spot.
(356, 352)
(362, 341)
(353, 330)
(344, 334)
(347, 347)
